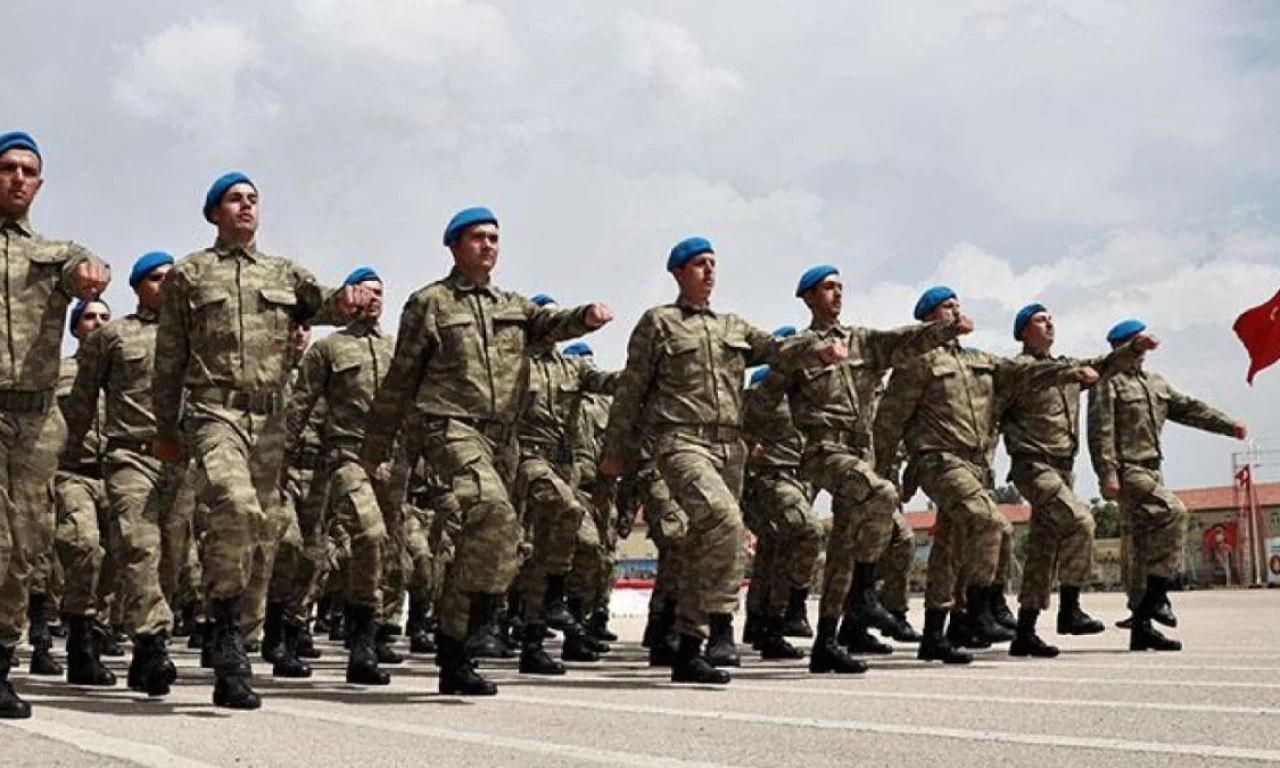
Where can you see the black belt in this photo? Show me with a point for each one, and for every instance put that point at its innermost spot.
(837, 435)
(91, 471)
(1151, 464)
(307, 460)
(497, 431)
(1063, 463)
(715, 433)
(260, 401)
(25, 401)
(124, 444)
(556, 453)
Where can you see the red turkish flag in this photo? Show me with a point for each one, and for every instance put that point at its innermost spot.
(1259, 331)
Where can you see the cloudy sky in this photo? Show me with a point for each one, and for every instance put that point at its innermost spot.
(1109, 159)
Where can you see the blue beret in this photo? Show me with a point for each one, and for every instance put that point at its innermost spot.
(1125, 330)
(812, 276)
(466, 218)
(685, 251)
(577, 349)
(79, 309)
(542, 299)
(361, 274)
(145, 263)
(1024, 316)
(219, 188)
(930, 299)
(758, 374)
(783, 331)
(19, 140)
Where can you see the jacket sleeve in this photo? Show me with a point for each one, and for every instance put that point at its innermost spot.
(632, 390)
(173, 351)
(414, 347)
(1102, 433)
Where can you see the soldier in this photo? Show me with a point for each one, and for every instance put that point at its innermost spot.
(119, 361)
(685, 367)
(777, 505)
(1126, 417)
(546, 490)
(345, 369)
(456, 374)
(826, 408)
(222, 360)
(84, 541)
(943, 406)
(41, 278)
(667, 526)
(1041, 428)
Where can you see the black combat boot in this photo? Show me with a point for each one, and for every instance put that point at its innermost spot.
(534, 659)
(231, 667)
(419, 626)
(753, 629)
(306, 643)
(1071, 619)
(185, 621)
(773, 645)
(11, 706)
(691, 667)
(1000, 607)
(934, 645)
(558, 614)
(828, 656)
(598, 625)
(960, 635)
(576, 610)
(662, 650)
(1143, 636)
(362, 663)
(337, 631)
(458, 675)
(108, 639)
(482, 635)
(982, 623)
(42, 661)
(383, 640)
(152, 671)
(290, 664)
(721, 651)
(862, 612)
(1027, 642)
(196, 638)
(321, 625)
(1163, 613)
(273, 633)
(83, 665)
(903, 632)
(796, 621)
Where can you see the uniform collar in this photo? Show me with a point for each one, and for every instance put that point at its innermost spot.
(693, 308)
(457, 282)
(225, 249)
(835, 327)
(147, 315)
(22, 225)
(364, 328)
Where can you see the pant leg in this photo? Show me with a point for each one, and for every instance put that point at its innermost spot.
(1061, 537)
(355, 508)
(555, 513)
(79, 543)
(960, 491)
(800, 537)
(583, 581)
(893, 569)
(138, 488)
(1158, 521)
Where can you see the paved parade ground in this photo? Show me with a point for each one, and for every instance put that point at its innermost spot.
(1215, 704)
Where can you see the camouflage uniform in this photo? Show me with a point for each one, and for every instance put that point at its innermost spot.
(37, 288)
(300, 565)
(592, 420)
(456, 376)
(222, 361)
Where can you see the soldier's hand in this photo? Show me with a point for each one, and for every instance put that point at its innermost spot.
(835, 352)
(371, 468)
(167, 451)
(757, 452)
(1145, 342)
(91, 278)
(598, 316)
(1241, 431)
(1111, 489)
(611, 468)
(1087, 375)
(964, 324)
(353, 299)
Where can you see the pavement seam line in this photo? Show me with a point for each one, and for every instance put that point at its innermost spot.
(137, 752)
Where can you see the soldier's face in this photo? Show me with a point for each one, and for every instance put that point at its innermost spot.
(148, 289)
(95, 315)
(1039, 332)
(19, 182)
(947, 311)
(475, 251)
(374, 309)
(237, 213)
(300, 339)
(697, 278)
(826, 299)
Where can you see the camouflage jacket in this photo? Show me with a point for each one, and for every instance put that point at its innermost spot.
(345, 369)
(685, 367)
(92, 447)
(1045, 420)
(827, 396)
(770, 427)
(461, 352)
(550, 409)
(118, 359)
(949, 399)
(1127, 414)
(593, 417)
(36, 291)
(225, 325)
(309, 441)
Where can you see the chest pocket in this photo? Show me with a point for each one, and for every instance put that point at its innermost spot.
(456, 331)
(509, 330)
(136, 367)
(279, 303)
(209, 309)
(348, 361)
(45, 266)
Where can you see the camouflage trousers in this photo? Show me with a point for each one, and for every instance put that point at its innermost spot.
(476, 467)
(777, 506)
(423, 578)
(590, 558)
(967, 537)
(237, 458)
(139, 487)
(668, 527)
(359, 504)
(552, 512)
(396, 563)
(85, 543)
(301, 562)
(181, 577)
(705, 478)
(1061, 538)
(893, 569)
(862, 508)
(29, 448)
(1157, 524)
